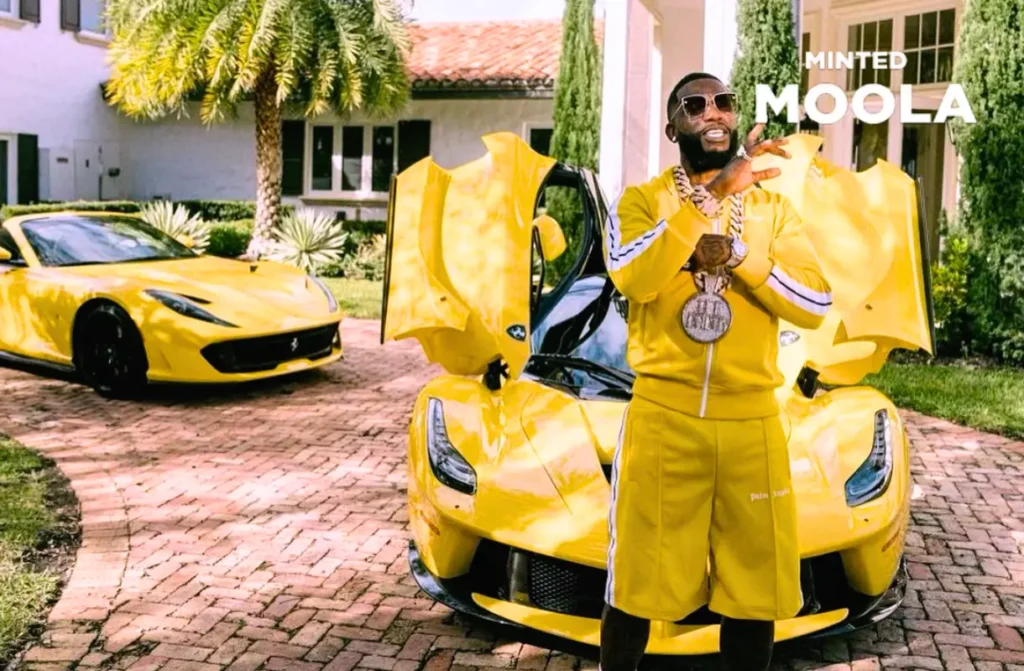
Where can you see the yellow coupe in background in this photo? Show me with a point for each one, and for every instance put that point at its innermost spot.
(510, 449)
(119, 303)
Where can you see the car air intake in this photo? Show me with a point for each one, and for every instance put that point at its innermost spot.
(249, 355)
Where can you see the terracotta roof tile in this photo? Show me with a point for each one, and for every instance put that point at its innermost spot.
(493, 54)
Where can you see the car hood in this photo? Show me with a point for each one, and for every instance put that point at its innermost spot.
(270, 295)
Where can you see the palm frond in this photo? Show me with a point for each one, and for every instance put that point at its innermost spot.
(175, 221)
(342, 54)
(308, 240)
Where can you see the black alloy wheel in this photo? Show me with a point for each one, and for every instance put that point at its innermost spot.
(109, 353)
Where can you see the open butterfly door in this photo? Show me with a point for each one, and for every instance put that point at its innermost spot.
(866, 229)
(458, 266)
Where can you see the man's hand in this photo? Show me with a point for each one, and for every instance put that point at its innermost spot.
(712, 251)
(738, 175)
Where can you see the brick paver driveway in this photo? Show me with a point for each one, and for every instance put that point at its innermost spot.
(265, 527)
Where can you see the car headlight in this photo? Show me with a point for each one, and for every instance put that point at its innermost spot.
(187, 306)
(872, 478)
(332, 302)
(448, 466)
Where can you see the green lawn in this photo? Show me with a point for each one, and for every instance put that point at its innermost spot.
(989, 399)
(27, 523)
(359, 299)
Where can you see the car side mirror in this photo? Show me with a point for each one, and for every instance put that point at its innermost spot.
(186, 240)
(4, 255)
(552, 240)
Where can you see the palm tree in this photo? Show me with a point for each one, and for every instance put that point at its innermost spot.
(315, 55)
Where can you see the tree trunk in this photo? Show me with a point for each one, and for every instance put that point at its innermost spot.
(268, 165)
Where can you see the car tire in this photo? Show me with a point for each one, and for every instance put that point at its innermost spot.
(109, 354)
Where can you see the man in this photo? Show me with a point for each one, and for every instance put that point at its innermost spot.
(709, 263)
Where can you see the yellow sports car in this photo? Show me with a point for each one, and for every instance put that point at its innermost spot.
(510, 450)
(119, 303)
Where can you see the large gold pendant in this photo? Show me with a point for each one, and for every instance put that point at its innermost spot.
(706, 317)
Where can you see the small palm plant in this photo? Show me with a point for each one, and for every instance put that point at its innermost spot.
(175, 221)
(308, 240)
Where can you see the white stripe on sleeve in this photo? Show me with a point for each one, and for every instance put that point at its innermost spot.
(805, 298)
(618, 255)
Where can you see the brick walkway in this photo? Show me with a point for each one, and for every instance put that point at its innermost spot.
(264, 527)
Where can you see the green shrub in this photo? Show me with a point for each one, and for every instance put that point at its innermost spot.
(123, 206)
(208, 210)
(334, 268)
(229, 239)
(767, 55)
(221, 210)
(227, 210)
(949, 291)
(988, 66)
(368, 262)
(367, 228)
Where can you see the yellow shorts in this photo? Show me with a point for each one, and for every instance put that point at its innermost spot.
(703, 513)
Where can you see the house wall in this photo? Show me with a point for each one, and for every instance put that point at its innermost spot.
(50, 83)
(183, 159)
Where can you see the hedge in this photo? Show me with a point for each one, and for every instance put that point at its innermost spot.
(124, 206)
(229, 239)
(226, 210)
(210, 210)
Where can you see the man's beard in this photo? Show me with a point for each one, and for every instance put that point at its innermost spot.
(699, 160)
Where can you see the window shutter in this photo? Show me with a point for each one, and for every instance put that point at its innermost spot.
(71, 15)
(293, 140)
(28, 169)
(30, 10)
(413, 142)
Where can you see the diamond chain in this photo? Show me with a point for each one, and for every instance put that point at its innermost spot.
(706, 203)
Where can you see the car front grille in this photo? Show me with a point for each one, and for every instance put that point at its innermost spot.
(564, 587)
(251, 355)
(574, 589)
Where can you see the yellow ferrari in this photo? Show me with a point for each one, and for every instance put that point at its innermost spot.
(510, 449)
(119, 304)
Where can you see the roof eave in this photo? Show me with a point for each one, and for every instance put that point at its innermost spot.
(462, 89)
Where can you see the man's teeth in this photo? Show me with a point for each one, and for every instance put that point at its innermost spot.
(716, 134)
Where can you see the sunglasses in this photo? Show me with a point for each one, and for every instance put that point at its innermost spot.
(696, 105)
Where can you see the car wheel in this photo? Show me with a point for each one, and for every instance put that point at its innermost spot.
(109, 353)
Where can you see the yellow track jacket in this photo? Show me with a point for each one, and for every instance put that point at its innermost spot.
(650, 234)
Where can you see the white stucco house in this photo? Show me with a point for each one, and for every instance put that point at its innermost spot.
(59, 140)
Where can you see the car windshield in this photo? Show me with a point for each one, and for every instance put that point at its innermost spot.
(582, 342)
(90, 240)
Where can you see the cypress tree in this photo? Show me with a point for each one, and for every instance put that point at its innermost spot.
(990, 67)
(767, 54)
(577, 119)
